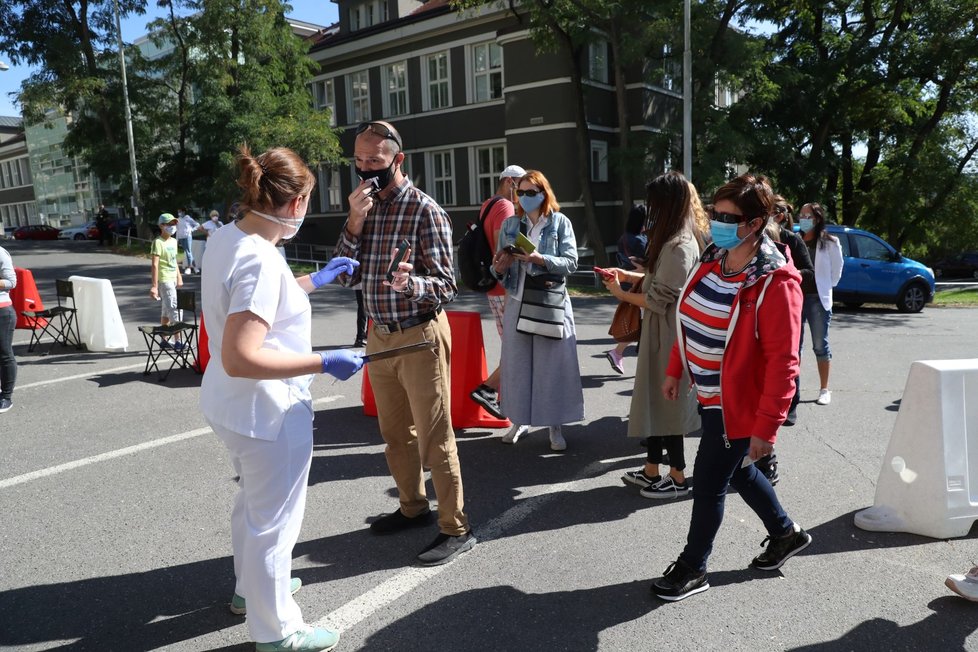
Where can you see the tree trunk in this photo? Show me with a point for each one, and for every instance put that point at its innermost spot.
(594, 238)
(621, 98)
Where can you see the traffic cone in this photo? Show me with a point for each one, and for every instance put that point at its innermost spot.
(468, 369)
(26, 297)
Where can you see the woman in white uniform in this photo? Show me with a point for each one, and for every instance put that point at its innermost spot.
(255, 392)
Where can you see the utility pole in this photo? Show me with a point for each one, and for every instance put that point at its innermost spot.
(687, 95)
(125, 99)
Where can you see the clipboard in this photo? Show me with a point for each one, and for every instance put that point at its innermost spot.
(399, 350)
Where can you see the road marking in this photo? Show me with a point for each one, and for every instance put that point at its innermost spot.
(393, 588)
(77, 376)
(128, 450)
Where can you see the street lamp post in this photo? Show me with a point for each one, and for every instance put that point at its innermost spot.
(687, 95)
(125, 100)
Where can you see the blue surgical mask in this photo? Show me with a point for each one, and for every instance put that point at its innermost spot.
(806, 224)
(724, 235)
(530, 204)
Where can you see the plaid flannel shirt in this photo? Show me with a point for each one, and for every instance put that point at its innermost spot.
(407, 214)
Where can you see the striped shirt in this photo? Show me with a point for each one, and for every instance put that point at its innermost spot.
(407, 214)
(705, 318)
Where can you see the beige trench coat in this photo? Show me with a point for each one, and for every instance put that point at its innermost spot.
(651, 414)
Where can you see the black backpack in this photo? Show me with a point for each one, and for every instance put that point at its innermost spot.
(475, 255)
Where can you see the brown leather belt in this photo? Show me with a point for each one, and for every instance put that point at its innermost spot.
(398, 327)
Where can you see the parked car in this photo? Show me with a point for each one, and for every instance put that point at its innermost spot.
(876, 272)
(36, 232)
(78, 232)
(961, 265)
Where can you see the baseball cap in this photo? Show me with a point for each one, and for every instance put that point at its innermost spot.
(512, 171)
(166, 218)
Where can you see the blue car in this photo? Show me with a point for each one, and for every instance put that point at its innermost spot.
(876, 272)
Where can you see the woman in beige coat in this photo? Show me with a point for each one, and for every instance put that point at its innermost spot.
(674, 248)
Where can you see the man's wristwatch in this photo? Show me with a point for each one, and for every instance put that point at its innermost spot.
(409, 288)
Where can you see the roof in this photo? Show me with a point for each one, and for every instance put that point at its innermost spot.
(331, 35)
(11, 122)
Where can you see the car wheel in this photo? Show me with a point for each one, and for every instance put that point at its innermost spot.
(853, 304)
(79, 236)
(912, 299)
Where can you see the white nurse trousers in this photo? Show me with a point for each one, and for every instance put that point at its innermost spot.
(266, 519)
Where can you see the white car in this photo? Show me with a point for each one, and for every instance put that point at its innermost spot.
(76, 232)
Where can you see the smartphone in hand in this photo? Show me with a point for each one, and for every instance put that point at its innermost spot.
(605, 273)
(399, 257)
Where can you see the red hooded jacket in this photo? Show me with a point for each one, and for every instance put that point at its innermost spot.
(760, 360)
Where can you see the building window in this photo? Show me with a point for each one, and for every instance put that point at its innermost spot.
(489, 162)
(487, 71)
(325, 93)
(365, 14)
(395, 89)
(599, 160)
(597, 61)
(359, 109)
(328, 188)
(437, 81)
(442, 178)
(25, 169)
(672, 70)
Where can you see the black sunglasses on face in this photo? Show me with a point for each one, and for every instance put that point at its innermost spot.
(379, 129)
(727, 218)
(528, 193)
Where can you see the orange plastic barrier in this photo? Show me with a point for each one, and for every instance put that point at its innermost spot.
(203, 353)
(468, 370)
(26, 297)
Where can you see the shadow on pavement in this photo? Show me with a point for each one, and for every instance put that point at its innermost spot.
(841, 535)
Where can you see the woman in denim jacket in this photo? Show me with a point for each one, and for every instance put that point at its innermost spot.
(541, 378)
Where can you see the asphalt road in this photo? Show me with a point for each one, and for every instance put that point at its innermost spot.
(115, 500)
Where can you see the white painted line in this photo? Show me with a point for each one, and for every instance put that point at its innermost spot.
(89, 374)
(405, 581)
(129, 450)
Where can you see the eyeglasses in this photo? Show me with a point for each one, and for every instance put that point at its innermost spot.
(528, 193)
(379, 129)
(727, 218)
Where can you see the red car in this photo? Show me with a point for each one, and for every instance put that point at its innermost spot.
(36, 232)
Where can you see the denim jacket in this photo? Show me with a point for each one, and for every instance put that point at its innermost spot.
(557, 245)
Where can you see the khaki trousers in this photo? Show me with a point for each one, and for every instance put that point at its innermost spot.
(414, 410)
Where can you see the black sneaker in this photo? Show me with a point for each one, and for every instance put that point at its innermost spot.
(488, 398)
(5, 404)
(445, 548)
(792, 417)
(781, 549)
(639, 479)
(679, 582)
(398, 521)
(667, 487)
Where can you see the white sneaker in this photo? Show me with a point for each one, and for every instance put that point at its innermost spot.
(557, 441)
(824, 397)
(515, 433)
(964, 585)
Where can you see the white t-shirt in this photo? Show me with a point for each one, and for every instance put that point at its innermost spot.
(245, 273)
(210, 226)
(186, 225)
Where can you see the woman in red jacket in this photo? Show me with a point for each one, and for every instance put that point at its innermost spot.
(738, 318)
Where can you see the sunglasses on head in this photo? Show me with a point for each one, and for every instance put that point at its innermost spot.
(528, 193)
(379, 129)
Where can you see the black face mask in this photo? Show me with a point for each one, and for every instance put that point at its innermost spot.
(383, 176)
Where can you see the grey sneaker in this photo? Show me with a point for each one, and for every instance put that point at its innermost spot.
(488, 398)
(307, 639)
(639, 479)
(5, 404)
(445, 548)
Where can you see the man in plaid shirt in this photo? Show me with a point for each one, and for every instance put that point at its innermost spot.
(413, 391)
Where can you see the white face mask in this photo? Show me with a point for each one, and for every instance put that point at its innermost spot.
(293, 224)
(170, 230)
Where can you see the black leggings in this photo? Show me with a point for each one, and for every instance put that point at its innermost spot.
(673, 445)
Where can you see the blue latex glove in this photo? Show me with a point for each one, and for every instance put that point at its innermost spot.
(341, 363)
(335, 267)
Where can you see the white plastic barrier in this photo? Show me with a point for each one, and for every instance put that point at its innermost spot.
(929, 480)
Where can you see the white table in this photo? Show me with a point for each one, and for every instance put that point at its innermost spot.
(99, 322)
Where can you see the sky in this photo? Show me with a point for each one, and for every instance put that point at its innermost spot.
(320, 12)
